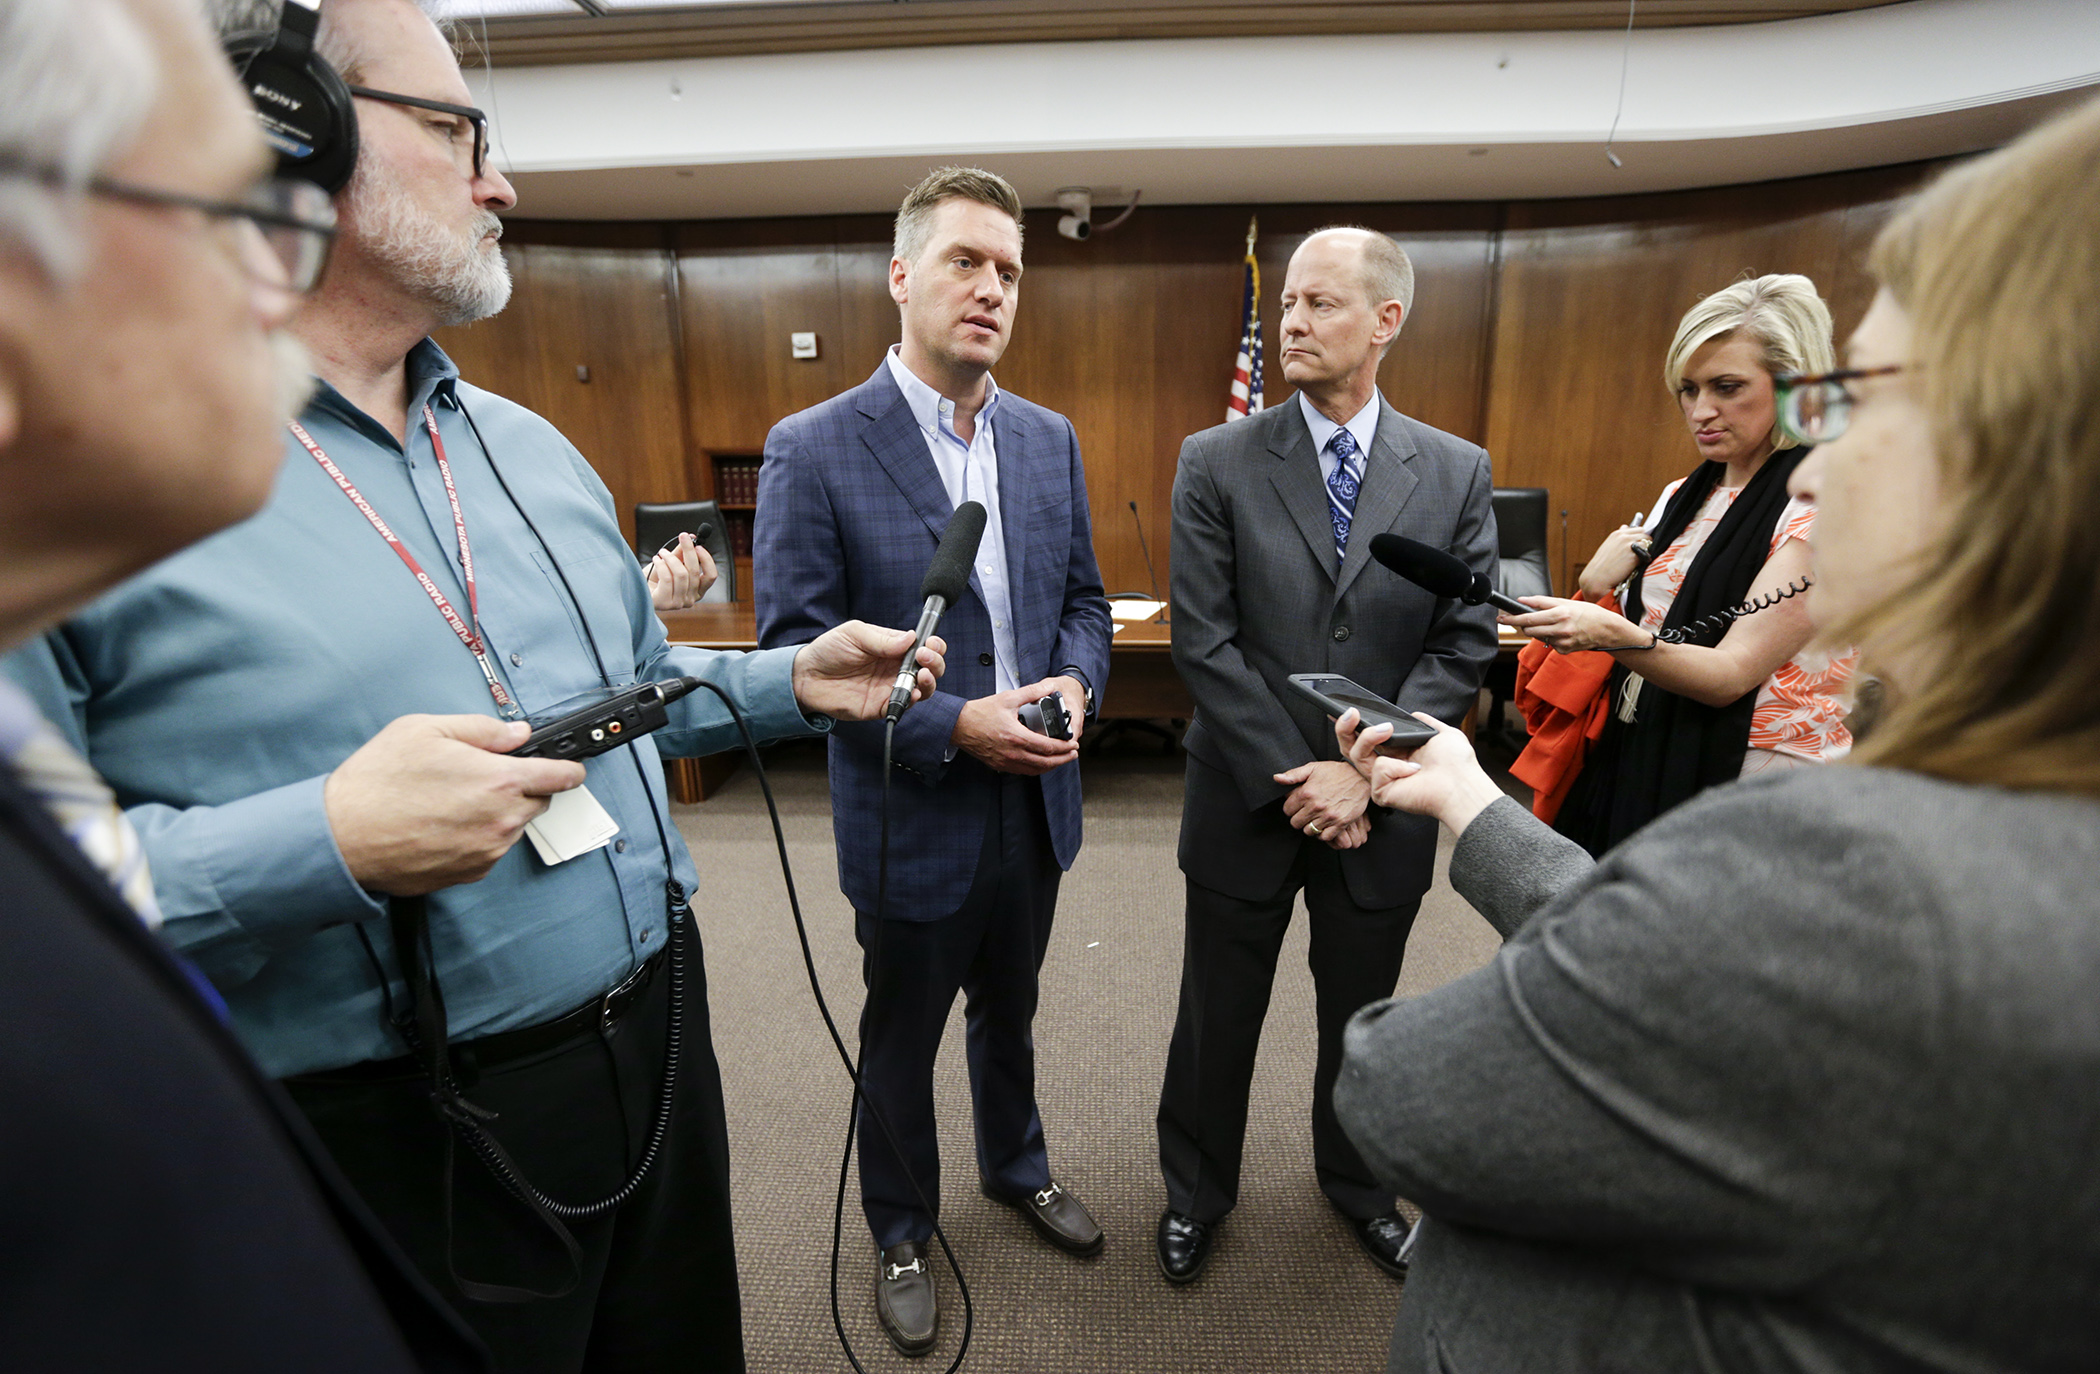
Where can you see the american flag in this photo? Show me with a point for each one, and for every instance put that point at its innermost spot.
(1246, 371)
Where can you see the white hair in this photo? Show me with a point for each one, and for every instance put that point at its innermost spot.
(77, 80)
(348, 58)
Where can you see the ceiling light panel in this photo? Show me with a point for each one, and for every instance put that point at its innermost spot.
(626, 6)
(510, 9)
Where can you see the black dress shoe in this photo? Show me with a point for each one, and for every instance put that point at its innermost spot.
(1056, 1215)
(1382, 1237)
(1184, 1246)
(904, 1300)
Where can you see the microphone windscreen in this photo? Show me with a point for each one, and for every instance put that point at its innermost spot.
(1429, 568)
(948, 575)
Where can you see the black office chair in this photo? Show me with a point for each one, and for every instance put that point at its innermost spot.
(657, 524)
(1520, 527)
(1520, 523)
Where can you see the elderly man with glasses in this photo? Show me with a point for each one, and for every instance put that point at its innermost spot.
(166, 1205)
(310, 718)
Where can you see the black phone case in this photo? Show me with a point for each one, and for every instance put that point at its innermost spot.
(1407, 731)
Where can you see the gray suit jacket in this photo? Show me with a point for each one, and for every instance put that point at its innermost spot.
(1803, 1077)
(1259, 595)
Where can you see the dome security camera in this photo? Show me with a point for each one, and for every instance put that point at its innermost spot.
(1078, 220)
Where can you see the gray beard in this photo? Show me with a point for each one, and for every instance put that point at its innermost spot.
(293, 374)
(453, 274)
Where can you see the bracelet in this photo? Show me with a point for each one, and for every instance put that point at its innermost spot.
(1653, 639)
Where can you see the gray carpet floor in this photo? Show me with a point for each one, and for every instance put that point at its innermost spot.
(1287, 1291)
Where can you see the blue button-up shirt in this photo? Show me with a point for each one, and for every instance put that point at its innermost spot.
(970, 472)
(217, 691)
(1362, 426)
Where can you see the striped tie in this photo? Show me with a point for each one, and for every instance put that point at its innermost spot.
(1342, 485)
(86, 810)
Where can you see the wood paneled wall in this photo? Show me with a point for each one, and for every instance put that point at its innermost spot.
(1538, 329)
(1589, 296)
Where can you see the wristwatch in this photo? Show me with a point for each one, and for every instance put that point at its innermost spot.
(1086, 688)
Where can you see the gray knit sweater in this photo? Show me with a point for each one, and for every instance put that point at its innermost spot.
(1805, 1076)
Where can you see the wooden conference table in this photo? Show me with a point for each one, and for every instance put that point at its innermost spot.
(1142, 683)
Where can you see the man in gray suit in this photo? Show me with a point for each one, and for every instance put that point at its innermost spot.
(1272, 575)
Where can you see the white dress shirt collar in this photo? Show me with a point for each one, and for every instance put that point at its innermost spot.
(933, 411)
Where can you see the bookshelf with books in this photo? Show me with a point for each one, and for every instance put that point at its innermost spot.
(734, 479)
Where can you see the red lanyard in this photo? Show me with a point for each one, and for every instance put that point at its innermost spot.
(467, 630)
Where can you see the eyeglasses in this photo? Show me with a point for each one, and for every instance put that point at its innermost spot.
(1817, 409)
(294, 219)
(474, 120)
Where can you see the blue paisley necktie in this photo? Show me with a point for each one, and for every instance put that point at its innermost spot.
(1342, 485)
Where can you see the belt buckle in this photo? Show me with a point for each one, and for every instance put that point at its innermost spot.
(613, 1003)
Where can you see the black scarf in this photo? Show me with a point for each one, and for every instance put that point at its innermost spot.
(1676, 748)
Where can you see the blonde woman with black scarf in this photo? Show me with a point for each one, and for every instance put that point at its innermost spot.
(1697, 698)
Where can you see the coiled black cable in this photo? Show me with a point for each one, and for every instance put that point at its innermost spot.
(1716, 624)
(499, 1163)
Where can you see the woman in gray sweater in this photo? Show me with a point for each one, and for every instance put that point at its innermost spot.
(1806, 1074)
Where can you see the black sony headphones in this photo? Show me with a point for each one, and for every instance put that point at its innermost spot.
(305, 108)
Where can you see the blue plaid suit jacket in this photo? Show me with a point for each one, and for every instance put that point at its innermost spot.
(850, 511)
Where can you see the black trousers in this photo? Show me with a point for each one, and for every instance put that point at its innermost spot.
(1228, 966)
(990, 949)
(658, 1288)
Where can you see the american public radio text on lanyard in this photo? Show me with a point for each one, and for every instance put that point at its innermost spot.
(468, 630)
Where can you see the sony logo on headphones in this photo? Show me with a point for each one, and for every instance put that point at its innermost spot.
(277, 98)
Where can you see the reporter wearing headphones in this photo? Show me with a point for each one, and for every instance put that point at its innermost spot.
(308, 717)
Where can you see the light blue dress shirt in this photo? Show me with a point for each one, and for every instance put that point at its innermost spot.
(218, 690)
(1363, 425)
(970, 472)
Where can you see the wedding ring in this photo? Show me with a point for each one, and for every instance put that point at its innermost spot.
(1313, 829)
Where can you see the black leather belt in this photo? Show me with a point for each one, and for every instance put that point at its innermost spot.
(596, 1017)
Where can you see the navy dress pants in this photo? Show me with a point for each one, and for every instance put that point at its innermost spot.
(990, 950)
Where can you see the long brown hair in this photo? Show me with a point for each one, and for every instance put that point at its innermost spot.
(1998, 266)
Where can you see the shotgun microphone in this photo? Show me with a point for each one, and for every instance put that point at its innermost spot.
(947, 578)
(1440, 573)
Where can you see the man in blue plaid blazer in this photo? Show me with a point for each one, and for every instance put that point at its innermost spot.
(984, 812)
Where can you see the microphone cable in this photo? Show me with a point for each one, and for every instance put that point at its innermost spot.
(838, 1041)
(1717, 623)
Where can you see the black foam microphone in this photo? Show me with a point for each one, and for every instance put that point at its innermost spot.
(947, 578)
(1444, 574)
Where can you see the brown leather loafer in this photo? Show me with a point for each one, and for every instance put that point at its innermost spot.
(904, 1298)
(1056, 1215)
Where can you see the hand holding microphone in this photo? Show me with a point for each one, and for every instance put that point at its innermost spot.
(846, 672)
(947, 578)
(843, 671)
(1565, 626)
